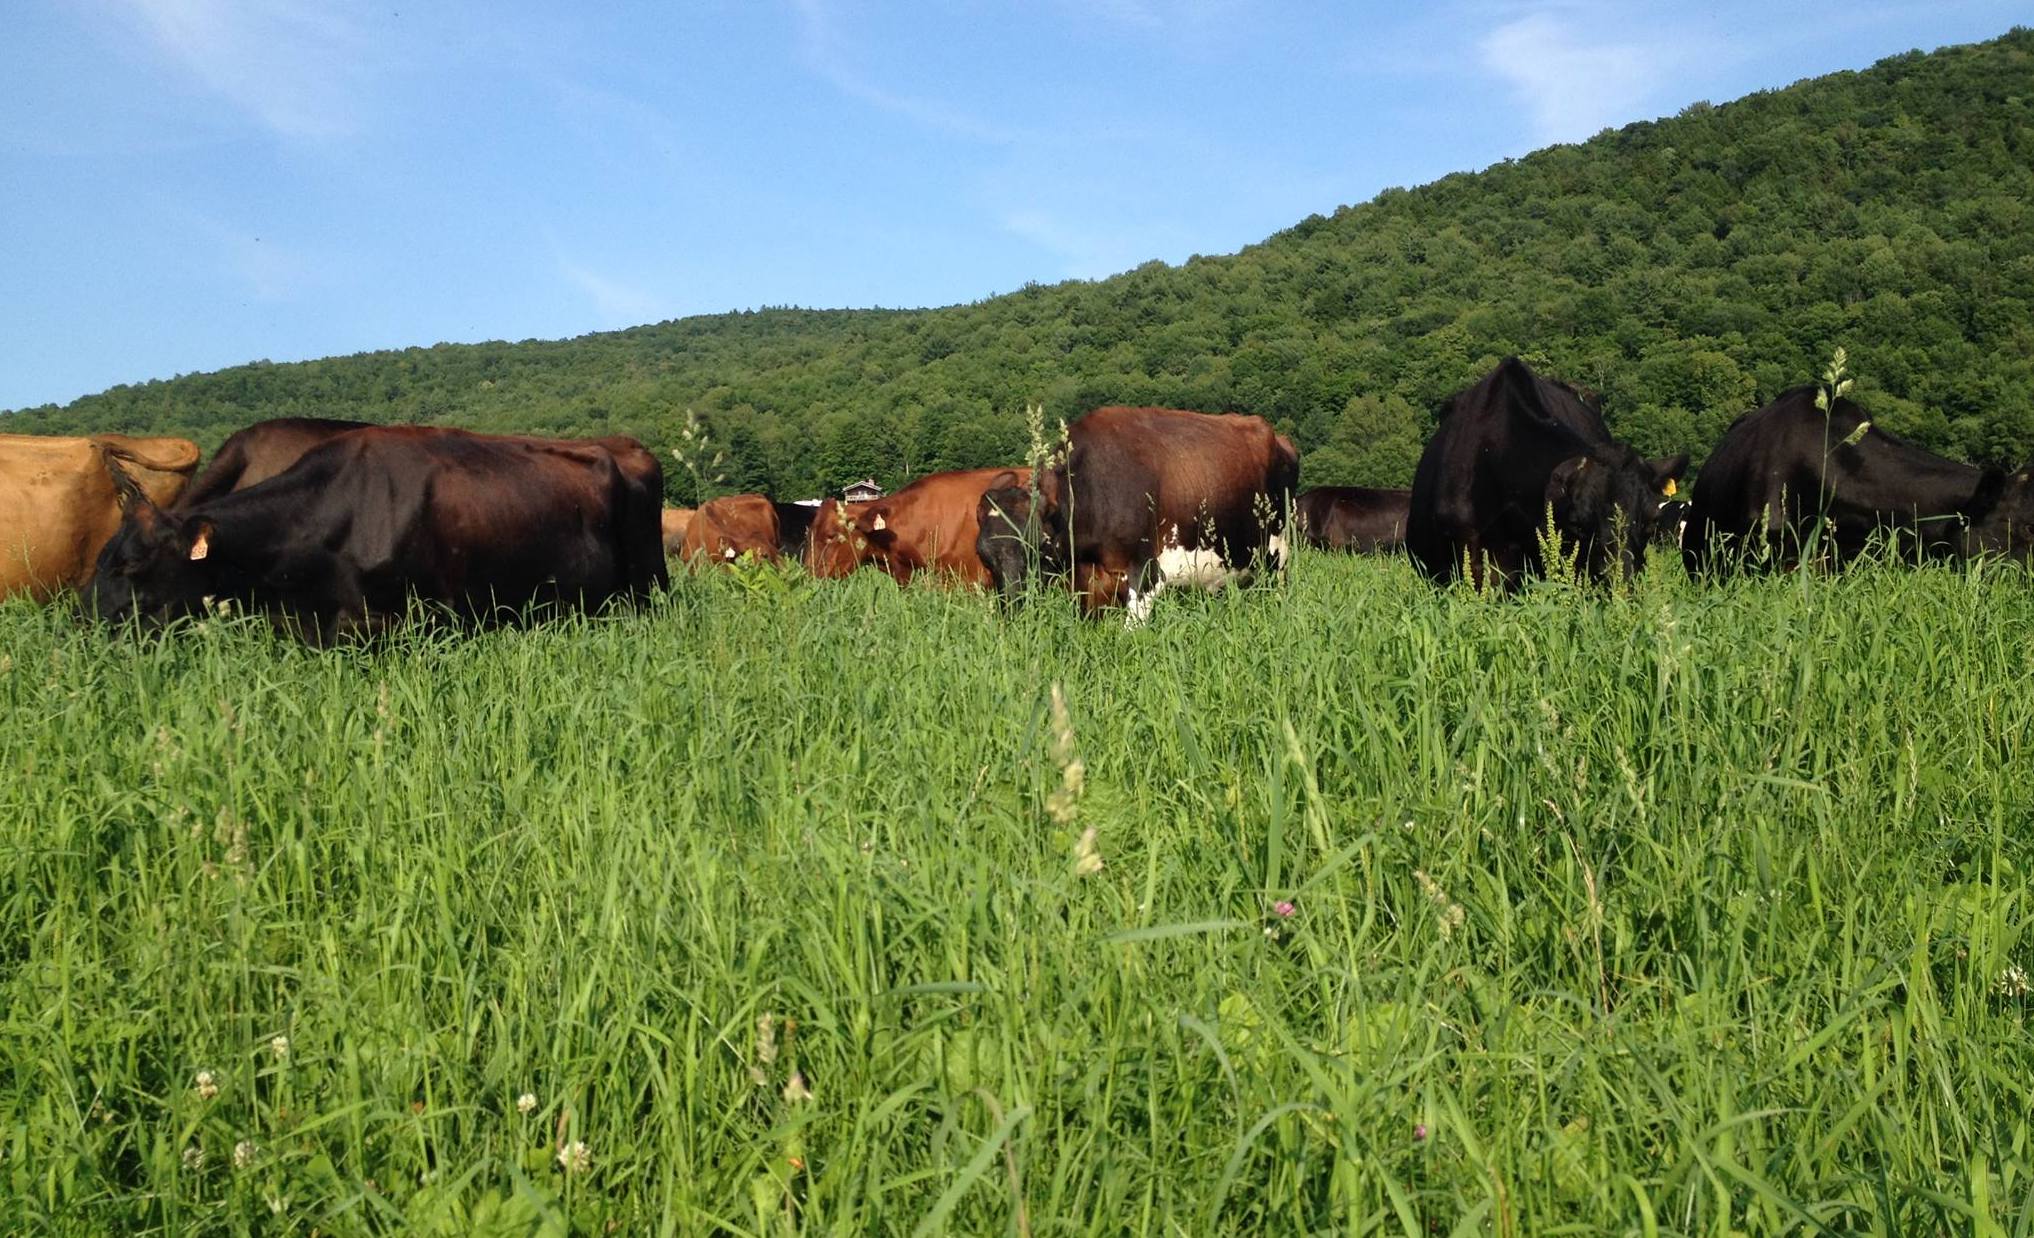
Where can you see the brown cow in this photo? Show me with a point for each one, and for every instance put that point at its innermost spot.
(58, 503)
(930, 525)
(1354, 518)
(252, 456)
(723, 530)
(676, 520)
(1147, 499)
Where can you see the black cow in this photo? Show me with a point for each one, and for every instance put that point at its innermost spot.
(1354, 518)
(1788, 479)
(341, 542)
(1508, 450)
(1146, 499)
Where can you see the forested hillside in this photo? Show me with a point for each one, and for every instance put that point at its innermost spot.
(1687, 269)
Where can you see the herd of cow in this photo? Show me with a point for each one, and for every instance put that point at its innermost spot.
(334, 527)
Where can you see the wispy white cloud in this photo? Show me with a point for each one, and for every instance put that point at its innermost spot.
(823, 48)
(618, 304)
(298, 67)
(1574, 79)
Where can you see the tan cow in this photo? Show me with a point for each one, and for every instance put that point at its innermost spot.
(58, 506)
(676, 521)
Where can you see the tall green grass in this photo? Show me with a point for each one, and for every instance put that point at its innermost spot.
(1692, 910)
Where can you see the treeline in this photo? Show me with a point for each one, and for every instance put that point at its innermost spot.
(1686, 269)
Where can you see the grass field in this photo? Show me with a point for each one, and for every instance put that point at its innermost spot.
(1698, 910)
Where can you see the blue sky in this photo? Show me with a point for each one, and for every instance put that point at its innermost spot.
(191, 184)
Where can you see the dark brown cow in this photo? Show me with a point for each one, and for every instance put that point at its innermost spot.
(1354, 518)
(489, 527)
(1789, 478)
(59, 502)
(723, 530)
(1511, 450)
(930, 525)
(253, 455)
(1147, 499)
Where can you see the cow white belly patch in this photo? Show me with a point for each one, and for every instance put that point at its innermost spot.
(1178, 568)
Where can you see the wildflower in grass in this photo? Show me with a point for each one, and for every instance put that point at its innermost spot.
(1451, 913)
(1063, 805)
(2012, 981)
(1419, 1132)
(280, 1046)
(194, 1158)
(208, 1087)
(1087, 856)
(526, 1104)
(795, 1090)
(1285, 908)
(575, 1157)
(244, 1153)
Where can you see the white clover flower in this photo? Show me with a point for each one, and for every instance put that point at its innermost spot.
(526, 1104)
(575, 1157)
(2012, 981)
(280, 1046)
(208, 1087)
(244, 1153)
(194, 1157)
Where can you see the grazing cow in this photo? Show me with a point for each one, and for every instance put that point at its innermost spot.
(931, 525)
(1146, 499)
(723, 530)
(1670, 523)
(340, 542)
(1788, 480)
(252, 456)
(59, 503)
(1507, 450)
(1354, 518)
(675, 521)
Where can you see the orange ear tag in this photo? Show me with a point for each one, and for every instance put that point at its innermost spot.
(203, 546)
(1671, 488)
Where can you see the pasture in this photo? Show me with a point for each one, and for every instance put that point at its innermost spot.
(1684, 910)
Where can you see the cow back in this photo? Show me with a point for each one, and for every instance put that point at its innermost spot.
(59, 505)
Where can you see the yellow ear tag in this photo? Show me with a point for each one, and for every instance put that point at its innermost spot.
(201, 547)
(1671, 487)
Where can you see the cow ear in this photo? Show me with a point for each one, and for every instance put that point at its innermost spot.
(1561, 483)
(1005, 480)
(1667, 471)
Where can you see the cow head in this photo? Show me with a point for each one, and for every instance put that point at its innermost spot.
(157, 565)
(2001, 514)
(847, 535)
(1015, 525)
(1606, 503)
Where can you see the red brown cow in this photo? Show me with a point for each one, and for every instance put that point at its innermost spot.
(931, 525)
(486, 526)
(724, 529)
(1147, 499)
(1353, 518)
(251, 456)
(59, 502)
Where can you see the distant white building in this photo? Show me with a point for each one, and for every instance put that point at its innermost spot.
(861, 491)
